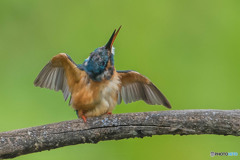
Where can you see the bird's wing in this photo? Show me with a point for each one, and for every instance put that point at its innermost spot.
(135, 86)
(59, 74)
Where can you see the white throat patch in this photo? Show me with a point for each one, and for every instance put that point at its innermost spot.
(113, 50)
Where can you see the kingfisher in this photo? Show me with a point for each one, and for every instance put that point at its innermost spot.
(95, 87)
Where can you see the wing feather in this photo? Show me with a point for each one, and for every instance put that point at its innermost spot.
(53, 75)
(53, 78)
(137, 87)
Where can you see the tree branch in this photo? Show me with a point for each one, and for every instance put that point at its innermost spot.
(119, 126)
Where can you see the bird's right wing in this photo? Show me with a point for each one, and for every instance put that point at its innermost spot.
(135, 86)
(59, 74)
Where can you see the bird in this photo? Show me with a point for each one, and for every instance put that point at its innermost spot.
(95, 87)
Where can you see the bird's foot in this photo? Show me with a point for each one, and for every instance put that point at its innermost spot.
(84, 118)
(80, 114)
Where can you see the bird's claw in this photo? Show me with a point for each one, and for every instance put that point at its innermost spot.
(84, 118)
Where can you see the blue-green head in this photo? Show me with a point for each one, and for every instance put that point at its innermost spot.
(100, 63)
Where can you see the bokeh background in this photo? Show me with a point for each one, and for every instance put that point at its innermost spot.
(190, 49)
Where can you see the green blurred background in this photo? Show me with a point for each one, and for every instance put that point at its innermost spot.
(190, 49)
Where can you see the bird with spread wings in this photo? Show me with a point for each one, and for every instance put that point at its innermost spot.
(95, 87)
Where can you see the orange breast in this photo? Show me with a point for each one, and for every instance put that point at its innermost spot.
(95, 98)
(84, 93)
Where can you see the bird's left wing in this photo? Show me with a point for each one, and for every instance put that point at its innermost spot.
(135, 86)
(59, 74)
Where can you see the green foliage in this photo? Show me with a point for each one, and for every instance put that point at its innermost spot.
(189, 49)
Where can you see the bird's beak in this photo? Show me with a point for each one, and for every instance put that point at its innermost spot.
(112, 39)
